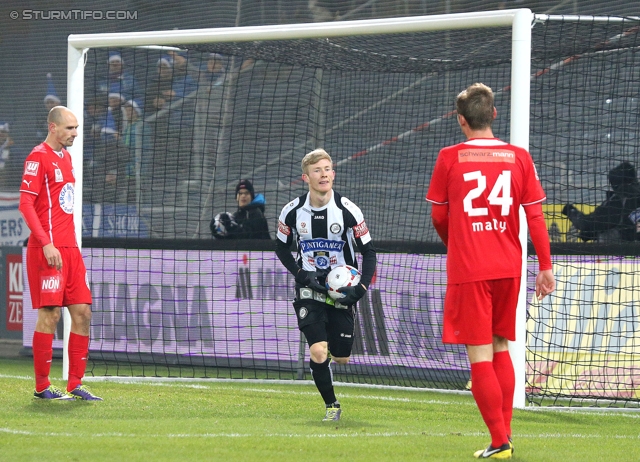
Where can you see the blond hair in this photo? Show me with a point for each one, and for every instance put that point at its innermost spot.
(314, 157)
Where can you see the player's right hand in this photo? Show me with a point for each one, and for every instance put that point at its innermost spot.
(310, 279)
(53, 256)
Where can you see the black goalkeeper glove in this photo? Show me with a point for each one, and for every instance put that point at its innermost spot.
(310, 279)
(352, 294)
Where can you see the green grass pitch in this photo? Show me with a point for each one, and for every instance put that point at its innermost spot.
(257, 421)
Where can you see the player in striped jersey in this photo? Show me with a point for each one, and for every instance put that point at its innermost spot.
(328, 230)
(476, 190)
(55, 269)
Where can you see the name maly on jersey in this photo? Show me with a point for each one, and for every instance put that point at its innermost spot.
(493, 225)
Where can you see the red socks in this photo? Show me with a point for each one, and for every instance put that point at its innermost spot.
(78, 352)
(42, 353)
(503, 368)
(488, 395)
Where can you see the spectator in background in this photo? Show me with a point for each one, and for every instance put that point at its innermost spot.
(618, 216)
(118, 80)
(159, 91)
(50, 101)
(183, 83)
(133, 140)
(115, 112)
(109, 183)
(248, 222)
(132, 122)
(5, 144)
(328, 10)
(214, 72)
(11, 161)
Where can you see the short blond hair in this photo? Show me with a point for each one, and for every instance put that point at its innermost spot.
(314, 157)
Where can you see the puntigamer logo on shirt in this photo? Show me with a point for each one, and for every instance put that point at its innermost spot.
(31, 168)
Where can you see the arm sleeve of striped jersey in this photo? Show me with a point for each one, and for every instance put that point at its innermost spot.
(283, 251)
(369, 261)
(539, 235)
(28, 210)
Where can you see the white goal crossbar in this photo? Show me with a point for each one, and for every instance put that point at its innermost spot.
(520, 21)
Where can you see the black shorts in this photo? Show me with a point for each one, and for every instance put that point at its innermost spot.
(320, 322)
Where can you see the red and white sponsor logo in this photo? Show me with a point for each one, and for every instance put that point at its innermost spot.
(284, 229)
(50, 284)
(31, 168)
(360, 229)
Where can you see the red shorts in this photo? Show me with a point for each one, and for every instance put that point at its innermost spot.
(475, 311)
(50, 287)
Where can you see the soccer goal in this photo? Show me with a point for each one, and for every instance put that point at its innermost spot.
(191, 112)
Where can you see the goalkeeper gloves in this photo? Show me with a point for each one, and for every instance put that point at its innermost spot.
(352, 294)
(310, 279)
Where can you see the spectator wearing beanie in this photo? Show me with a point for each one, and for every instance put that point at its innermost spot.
(248, 222)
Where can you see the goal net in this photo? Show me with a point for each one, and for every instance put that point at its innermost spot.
(173, 119)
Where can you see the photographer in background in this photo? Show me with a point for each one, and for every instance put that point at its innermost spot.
(616, 219)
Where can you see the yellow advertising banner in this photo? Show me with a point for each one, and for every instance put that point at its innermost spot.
(558, 225)
(584, 339)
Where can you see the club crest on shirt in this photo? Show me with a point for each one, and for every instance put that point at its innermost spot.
(66, 198)
(335, 228)
(31, 168)
(321, 260)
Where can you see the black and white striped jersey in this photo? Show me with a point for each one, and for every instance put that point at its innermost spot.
(325, 237)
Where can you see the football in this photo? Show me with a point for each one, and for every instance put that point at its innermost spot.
(341, 276)
(220, 223)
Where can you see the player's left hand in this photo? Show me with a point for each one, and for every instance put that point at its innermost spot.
(352, 294)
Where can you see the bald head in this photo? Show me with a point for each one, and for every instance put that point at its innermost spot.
(63, 128)
(57, 115)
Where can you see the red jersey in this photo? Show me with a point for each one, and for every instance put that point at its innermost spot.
(484, 181)
(50, 177)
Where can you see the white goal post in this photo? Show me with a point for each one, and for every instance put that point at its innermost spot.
(520, 21)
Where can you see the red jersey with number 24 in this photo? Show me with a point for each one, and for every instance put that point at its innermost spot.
(49, 176)
(484, 181)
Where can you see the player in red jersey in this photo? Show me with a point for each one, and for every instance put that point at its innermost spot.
(476, 190)
(55, 270)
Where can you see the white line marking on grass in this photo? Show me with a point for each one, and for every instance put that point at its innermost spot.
(16, 377)
(268, 382)
(12, 431)
(353, 396)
